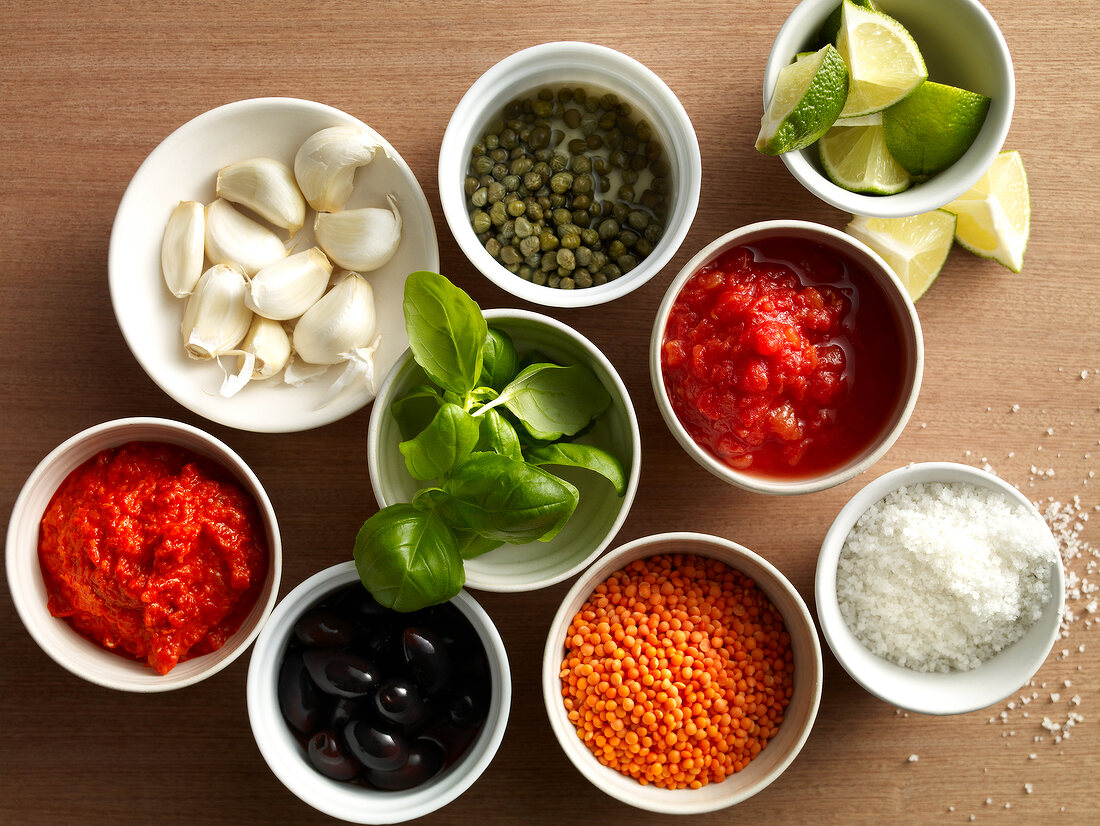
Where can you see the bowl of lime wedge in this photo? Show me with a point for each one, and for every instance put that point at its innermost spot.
(887, 108)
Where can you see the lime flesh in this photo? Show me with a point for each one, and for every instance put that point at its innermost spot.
(808, 97)
(916, 247)
(883, 60)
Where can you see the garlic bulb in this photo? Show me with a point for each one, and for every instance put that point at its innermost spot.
(232, 238)
(215, 318)
(267, 187)
(181, 250)
(360, 239)
(263, 352)
(342, 320)
(325, 165)
(289, 287)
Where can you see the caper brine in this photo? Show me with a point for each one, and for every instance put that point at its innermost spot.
(568, 187)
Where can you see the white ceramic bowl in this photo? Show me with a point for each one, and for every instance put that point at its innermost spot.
(552, 64)
(955, 692)
(798, 719)
(600, 513)
(359, 804)
(905, 320)
(961, 46)
(56, 636)
(184, 167)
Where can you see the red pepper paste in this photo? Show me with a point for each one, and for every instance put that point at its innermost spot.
(782, 358)
(154, 552)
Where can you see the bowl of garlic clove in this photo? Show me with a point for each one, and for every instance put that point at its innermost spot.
(250, 180)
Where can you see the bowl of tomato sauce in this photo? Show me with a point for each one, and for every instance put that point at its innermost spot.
(786, 357)
(143, 555)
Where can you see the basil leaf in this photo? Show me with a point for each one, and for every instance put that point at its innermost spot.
(571, 454)
(415, 410)
(426, 499)
(408, 560)
(533, 357)
(472, 545)
(499, 436)
(442, 445)
(498, 359)
(507, 500)
(553, 401)
(446, 331)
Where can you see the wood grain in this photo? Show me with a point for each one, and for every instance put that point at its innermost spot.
(88, 88)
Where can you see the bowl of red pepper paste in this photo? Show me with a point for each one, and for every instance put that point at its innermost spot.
(143, 555)
(786, 357)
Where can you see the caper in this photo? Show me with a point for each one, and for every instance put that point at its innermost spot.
(512, 268)
(577, 146)
(616, 248)
(523, 226)
(542, 108)
(591, 105)
(589, 124)
(561, 215)
(521, 166)
(653, 232)
(619, 211)
(499, 171)
(639, 162)
(507, 232)
(566, 283)
(608, 229)
(532, 181)
(581, 217)
(534, 259)
(480, 221)
(611, 272)
(511, 182)
(628, 238)
(594, 142)
(509, 139)
(565, 94)
(485, 179)
(542, 156)
(643, 248)
(498, 214)
(626, 123)
(515, 124)
(492, 246)
(599, 279)
(558, 162)
(630, 143)
(580, 94)
(581, 165)
(601, 165)
(609, 101)
(607, 121)
(572, 118)
(539, 137)
(556, 137)
(569, 242)
(480, 197)
(539, 278)
(583, 184)
(498, 155)
(525, 273)
(583, 255)
(619, 159)
(557, 200)
(614, 138)
(534, 211)
(549, 261)
(660, 186)
(590, 237)
(594, 210)
(626, 192)
(627, 262)
(513, 109)
(469, 184)
(491, 142)
(510, 255)
(599, 261)
(528, 246)
(581, 200)
(643, 131)
(495, 191)
(516, 208)
(630, 176)
(582, 278)
(638, 219)
(660, 168)
(548, 240)
(653, 150)
(478, 149)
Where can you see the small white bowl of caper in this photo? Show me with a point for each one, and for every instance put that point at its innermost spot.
(569, 174)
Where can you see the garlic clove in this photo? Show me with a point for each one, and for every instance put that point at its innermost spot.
(289, 287)
(233, 238)
(215, 317)
(263, 352)
(326, 163)
(267, 187)
(360, 239)
(182, 249)
(341, 321)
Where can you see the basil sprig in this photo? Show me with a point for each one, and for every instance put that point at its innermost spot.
(480, 437)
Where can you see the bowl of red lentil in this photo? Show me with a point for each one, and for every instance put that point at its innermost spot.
(682, 673)
(143, 555)
(786, 357)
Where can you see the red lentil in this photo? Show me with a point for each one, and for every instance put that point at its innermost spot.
(677, 671)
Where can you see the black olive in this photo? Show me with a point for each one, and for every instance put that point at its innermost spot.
(374, 748)
(341, 673)
(400, 701)
(329, 758)
(467, 709)
(384, 648)
(425, 761)
(356, 603)
(323, 628)
(344, 711)
(427, 657)
(299, 699)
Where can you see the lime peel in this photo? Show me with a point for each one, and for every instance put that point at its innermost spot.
(809, 95)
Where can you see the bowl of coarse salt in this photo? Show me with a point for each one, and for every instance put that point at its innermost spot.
(940, 588)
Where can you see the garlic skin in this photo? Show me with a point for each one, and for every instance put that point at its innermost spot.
(360, 239)
(326, 163)
(232, 238)
(267, 187)
(341, 321)
(215, 318)
(287, 288)
(183, 248)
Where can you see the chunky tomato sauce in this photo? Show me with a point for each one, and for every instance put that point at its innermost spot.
(153, 552)
(782, 358)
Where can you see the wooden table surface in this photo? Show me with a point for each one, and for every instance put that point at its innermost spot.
(88, 89)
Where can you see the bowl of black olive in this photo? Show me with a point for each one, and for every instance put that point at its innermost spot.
(569, 174)
(373, 715)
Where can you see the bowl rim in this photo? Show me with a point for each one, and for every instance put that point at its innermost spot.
(891, 287)
(118, 250)
(841, 640)
(940, 189)
(473, 578)
(35, 616)
(342, 800)
(668, 801)
(660, 98)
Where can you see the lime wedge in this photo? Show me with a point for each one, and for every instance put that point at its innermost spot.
(995, 214)
(883, 60)
(933, 127)
(853, 155)
(915, 247)
(831, 27)
(809, 95)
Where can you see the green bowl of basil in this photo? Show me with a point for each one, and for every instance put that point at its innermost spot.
(600, 509)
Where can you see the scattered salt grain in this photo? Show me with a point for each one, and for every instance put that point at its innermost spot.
(913, 758)
(940, 577)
